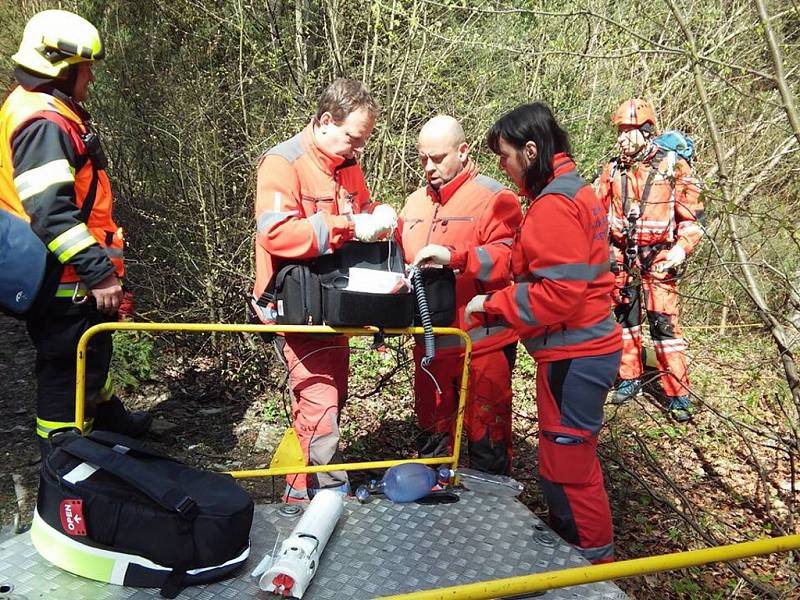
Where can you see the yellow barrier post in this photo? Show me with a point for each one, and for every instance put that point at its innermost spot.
(80, 380)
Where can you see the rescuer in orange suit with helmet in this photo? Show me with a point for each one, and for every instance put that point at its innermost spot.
(559, 307)
(52, 173)
(465, 221)
(311, 198)
(655, 215)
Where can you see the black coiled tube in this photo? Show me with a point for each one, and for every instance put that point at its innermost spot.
(424, 314)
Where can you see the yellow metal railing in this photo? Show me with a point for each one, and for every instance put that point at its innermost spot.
(527, 584)
(500, 588)
(80, 381)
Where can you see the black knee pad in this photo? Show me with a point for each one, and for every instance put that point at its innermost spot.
(661, 326)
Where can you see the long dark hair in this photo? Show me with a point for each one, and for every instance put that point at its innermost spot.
(531, 123)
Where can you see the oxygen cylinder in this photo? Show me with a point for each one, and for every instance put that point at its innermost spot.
(298, 558)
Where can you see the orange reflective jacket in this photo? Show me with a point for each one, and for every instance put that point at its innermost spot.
(304, 199)
(46, 173)
(477, 218)
(672, 210)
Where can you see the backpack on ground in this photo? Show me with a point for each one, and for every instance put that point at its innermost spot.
(112, 509)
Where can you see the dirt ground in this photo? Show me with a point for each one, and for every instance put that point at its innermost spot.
(725, 478)
(20, 467)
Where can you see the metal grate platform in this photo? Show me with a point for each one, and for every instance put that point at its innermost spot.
(377, 549)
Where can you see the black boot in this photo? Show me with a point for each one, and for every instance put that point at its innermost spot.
(112, 416)
(45, 447)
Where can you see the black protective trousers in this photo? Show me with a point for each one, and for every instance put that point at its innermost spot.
(55, 333)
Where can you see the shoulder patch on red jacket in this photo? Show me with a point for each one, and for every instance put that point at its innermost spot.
(291, 149)
(567, 185)
(491, 184)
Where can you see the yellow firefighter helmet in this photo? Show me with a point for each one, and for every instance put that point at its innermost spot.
(54, 40)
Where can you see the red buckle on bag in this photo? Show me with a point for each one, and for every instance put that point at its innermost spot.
(72, 521)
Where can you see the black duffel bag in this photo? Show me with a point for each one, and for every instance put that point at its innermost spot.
(348, 308)
(112, 509)
(312, 292)
(298, 295)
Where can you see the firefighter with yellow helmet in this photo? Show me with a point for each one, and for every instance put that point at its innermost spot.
(53, 174)
(655, 214)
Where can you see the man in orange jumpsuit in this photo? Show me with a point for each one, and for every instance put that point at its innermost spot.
(655, 214)
(465, 221)
(311, 198)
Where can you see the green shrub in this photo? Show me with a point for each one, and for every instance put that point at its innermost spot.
(132, 363)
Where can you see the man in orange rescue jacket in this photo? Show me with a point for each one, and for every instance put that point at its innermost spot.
(467, 222)
(311, 198)
(655, 215)
(52, 173)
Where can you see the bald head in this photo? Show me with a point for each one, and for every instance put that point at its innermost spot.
(443, 149)
(442, 129)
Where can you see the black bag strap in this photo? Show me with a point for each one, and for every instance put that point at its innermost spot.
(159, 489)
(264, 299)
(623, 182)
(174, 583)
(91, 196)
(648, 185)
(109, 439)
(283, 273)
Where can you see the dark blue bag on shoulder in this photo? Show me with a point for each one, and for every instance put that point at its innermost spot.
(23, 263)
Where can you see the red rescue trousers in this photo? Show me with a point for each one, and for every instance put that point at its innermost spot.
(318, 370)
(570, 394)
(487, 419)
(659, 292)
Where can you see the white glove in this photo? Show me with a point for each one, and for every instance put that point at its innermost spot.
(371, 227)
(675, 257)
(474, 306)
(368, 228)
(386, 216)
(432, 254)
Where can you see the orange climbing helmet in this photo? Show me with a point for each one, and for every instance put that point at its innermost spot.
(636, 112)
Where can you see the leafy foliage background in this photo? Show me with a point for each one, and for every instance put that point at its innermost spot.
(194, 91)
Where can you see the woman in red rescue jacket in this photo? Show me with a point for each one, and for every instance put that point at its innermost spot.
(559, 306)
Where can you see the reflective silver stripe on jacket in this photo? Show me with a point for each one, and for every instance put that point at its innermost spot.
(317, 221)
(558, 338)
(573, 272)
(476, 335)
(291, 149)
(269, 218)
(485, 259)
(490, 184)
(522, 299)
(486, 263)
(567, 185)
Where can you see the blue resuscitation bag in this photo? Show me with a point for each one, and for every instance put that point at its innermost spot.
(675, 141)
(23, 258)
